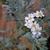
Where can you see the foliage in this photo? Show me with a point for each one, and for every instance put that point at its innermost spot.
(18, 8)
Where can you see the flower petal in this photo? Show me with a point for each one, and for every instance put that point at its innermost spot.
(42, 13)
(26, 18)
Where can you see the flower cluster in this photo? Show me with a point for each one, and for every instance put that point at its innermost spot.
(32, 24)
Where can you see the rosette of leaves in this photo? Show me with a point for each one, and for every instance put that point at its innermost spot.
(39, 44)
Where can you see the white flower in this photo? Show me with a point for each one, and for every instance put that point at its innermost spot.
(39, 14)
(28, 24)
(31, 17)
(34, 26)
(38, 28)
(33, 34)
(33, 29)
(36, 34)
(29, 20)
